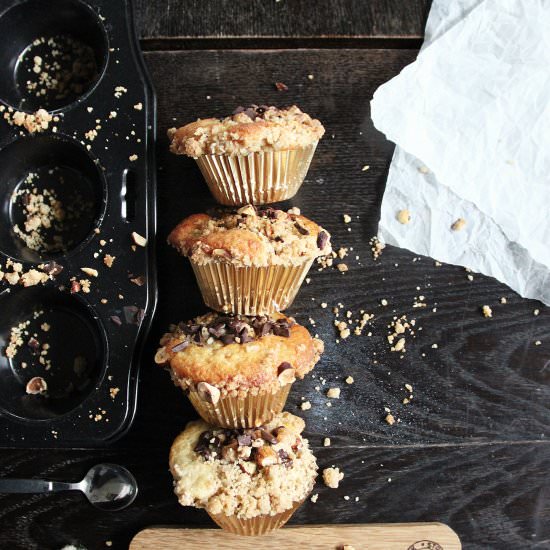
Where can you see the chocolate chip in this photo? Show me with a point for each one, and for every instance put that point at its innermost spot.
(181, 346)
(190, 329)
(245, 336)
(238, 110)
(244, 440)
(266, 329)
(322, 239)
(217, 330)
(228, 339)
(116, 320)
(302, 230)
(283, 455)
(268, 436)
(281, 330)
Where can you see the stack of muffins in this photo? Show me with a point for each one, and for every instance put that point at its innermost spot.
(245, 462)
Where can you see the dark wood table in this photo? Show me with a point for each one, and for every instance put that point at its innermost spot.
(471, 449)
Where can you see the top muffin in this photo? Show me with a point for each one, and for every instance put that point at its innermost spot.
(250, 130)
(251, 237)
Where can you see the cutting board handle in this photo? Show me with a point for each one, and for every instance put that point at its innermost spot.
(373, 536)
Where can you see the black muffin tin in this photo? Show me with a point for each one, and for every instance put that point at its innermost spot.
(107, 187)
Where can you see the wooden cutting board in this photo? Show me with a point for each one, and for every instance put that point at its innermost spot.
(375, 536)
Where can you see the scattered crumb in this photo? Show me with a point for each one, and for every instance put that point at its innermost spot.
(342, 267)
(383, 302)
(403, 216)
(133, 158)
(305, 406)
(350, 380)
(390, 419)
(376, 247)
(347, 218)
(89, 271)
(538, 343)
(108, 260)
(333, 393)
(423, 170)
(503, 300)
(536, 312)
(138, 106)
(365, 168)
(487, 311)
(326, 442)
(314, 498)
(332, 477)
(113, 392)
(139, 240)
(458, 224)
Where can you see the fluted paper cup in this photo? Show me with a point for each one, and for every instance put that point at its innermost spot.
(260, 525)
(234, 412)
(256, 178)
(249, 290)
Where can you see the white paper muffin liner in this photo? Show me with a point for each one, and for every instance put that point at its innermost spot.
(249, 290)
(256, 178)
(244, 412)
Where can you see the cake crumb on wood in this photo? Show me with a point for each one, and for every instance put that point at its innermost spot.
(332, 477)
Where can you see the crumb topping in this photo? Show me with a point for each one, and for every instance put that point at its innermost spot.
(243, 473)
(248, 130)
(250, 237)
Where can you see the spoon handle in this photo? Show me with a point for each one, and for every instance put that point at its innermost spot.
(34, 486)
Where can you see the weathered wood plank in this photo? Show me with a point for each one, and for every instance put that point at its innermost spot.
(486, 379)
(284, 19)
(493, 496)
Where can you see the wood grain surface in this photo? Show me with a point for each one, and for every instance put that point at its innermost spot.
(376, 536)
(471, 448)
(282, 19)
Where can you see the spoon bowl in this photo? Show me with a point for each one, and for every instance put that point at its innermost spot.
(109, 487)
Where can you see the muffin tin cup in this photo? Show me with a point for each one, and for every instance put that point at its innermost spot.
(70, 197)
(248, 412)
(249, 290)
(257, 178)
(260, 525)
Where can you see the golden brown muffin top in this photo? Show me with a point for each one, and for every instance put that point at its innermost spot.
(248, 130)
(251, 237)
(218, 354)
(246, 472)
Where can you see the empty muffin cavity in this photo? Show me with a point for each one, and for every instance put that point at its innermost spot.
(51, 353)
(52, 196)
(55, 53)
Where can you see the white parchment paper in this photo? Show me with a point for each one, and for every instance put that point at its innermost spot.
(471, 118)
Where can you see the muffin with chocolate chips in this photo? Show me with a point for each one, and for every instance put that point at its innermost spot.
(250, 261)
(250, 481)
(238, 370)
(260, 154)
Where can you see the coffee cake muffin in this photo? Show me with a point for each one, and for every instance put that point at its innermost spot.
(238, 370)
(250, 261)
(249, 481)
(258, 155)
